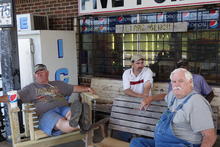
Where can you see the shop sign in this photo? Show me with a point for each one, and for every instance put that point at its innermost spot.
(152, 27)
(6, 13)
(88, 7)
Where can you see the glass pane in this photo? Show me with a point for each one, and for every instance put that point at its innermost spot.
(130, 42)
(108, 53)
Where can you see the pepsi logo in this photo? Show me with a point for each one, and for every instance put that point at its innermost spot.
(101, 19)
(186, 14)
(160, 16)
(213, 24)
(101, 28)
(84, 28)
(12, 97)
(120, 18)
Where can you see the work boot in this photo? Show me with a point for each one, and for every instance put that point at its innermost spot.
(76, 111)
(85, 122)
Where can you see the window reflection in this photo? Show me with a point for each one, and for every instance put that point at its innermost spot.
(109, 54)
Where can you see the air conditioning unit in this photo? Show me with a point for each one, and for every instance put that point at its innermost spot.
(32, 22)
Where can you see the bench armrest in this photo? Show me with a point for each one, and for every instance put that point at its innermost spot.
(14, 124)
(89, 96)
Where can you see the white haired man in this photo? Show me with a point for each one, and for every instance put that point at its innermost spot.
(187, 121)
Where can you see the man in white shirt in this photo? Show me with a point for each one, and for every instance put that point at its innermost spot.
(138, 80)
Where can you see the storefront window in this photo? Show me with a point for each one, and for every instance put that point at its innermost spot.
(108, 53)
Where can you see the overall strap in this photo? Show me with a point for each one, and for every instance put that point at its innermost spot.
(172, 101)
(181, 105)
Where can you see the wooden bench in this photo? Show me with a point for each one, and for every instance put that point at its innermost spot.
(126, 117)
(33, 136)
(107, 89)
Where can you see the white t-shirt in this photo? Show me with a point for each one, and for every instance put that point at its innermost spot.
(136, 83)
(195, 116)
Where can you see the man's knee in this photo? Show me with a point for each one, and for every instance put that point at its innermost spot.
(63, 125)
(60, 123)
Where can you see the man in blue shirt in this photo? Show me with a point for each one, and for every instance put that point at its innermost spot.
(200, 84)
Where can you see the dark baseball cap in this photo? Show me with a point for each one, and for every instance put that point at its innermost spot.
(39, 67)
(182, 62)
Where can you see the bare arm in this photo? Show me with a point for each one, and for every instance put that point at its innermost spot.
(82, 89)
(209, 137)
(4, 99)
(147, 101)
(133, 94)
(147, 88)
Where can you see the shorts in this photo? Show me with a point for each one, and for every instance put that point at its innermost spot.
(49, 119)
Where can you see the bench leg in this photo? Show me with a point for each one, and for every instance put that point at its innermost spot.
(88, 139)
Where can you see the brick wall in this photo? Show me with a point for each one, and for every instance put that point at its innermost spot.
(60, 12)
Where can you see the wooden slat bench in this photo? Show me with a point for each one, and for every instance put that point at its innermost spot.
(33, 136)
(107, 89)
(126, 117)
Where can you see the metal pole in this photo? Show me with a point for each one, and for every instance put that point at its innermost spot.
(9, 63)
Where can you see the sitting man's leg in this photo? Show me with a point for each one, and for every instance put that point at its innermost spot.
(63, 124)
(142, 142)
(55, 121)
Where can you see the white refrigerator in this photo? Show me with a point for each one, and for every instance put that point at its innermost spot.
(55, 49)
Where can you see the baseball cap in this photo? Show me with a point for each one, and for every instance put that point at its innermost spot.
(137, 57)
(39, 67)
(182, 62)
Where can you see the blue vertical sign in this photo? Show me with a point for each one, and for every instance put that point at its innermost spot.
(60, 48)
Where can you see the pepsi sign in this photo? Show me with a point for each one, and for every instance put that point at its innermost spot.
(212, 24)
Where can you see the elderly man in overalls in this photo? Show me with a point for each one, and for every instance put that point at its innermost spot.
(188, 120)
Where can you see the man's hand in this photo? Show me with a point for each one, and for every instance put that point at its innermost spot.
(89, 89)
(145, 103)
(78, 88)
(4, 99)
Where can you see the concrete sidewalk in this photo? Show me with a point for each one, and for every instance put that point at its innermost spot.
(80, 143)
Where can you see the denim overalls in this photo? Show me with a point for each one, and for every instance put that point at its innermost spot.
(163, 134)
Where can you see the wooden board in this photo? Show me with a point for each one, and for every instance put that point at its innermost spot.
(126, 116)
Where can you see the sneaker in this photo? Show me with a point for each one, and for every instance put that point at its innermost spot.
(76, 111)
